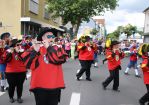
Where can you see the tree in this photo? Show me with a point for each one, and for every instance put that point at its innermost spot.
(77, 11)
(130, 30)
(94, 31)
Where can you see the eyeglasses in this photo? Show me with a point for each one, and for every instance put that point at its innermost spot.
(50, 36)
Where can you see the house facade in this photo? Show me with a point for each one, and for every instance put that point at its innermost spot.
(23, 17)
(146, 26)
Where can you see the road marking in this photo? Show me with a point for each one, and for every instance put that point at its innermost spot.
(1, 93)
(75, 99)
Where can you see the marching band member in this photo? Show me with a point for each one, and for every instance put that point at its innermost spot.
(15, 70)
(144, 51)
(114, 57)
(45, 62)
(133, 61)
(86, 57)
(4, 45)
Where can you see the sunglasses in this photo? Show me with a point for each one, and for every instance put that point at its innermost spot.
(50, 36)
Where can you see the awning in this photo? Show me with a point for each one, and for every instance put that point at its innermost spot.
(43, 24)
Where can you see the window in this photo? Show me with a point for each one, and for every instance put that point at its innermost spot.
(46, 13)
(33, 6)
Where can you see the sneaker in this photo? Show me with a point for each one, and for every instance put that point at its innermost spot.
(2, 89)
(19, 100)
(11, 100)
(88, 79)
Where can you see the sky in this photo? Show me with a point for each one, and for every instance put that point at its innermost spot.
(128, 11)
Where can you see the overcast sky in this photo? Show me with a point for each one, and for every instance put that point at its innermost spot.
(128, 11)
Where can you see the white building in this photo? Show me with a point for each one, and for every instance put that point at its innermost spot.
(146, 25)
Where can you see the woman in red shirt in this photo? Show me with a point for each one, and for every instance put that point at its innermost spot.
(15, 70)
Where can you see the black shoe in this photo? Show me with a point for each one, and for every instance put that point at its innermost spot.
(116, 90)
(7, 88)
(126, 73)
(138, 76)
(2, 89)
(104, 88)
(141, 103)
(148, 103)
(78, 78)
(11, 100)
(19, 100)
(88, 79)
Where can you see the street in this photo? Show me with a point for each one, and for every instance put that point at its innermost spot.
(91, 93)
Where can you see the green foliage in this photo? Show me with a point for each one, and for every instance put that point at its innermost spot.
(78, 11)
(94, 31)
(128, 29)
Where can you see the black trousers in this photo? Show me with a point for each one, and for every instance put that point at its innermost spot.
(114, 75)
(15, 80)
(46, 97)
(85, 67)
(145, 98)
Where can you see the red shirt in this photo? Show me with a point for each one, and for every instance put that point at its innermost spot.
(87, 53)
(113, 62)
(133, 55)
(46, 76)
(15, 65)
(145, 69)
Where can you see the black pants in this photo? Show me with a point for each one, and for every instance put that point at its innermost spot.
(46, 97)
(15, 80)
(114, 75)
(145, 98)
(85, 67)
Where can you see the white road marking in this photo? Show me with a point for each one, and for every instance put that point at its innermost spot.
(75, 99)
(1, 93)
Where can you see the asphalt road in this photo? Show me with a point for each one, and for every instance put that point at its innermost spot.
(91, 93)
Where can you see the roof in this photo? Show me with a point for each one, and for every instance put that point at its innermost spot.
(146, 9)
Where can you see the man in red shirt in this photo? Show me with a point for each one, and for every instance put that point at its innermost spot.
(114, 57)
(86, 57)
(45, 62)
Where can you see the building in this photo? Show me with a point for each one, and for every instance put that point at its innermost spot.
(100, 24)
(22, 17)
(146, 25)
